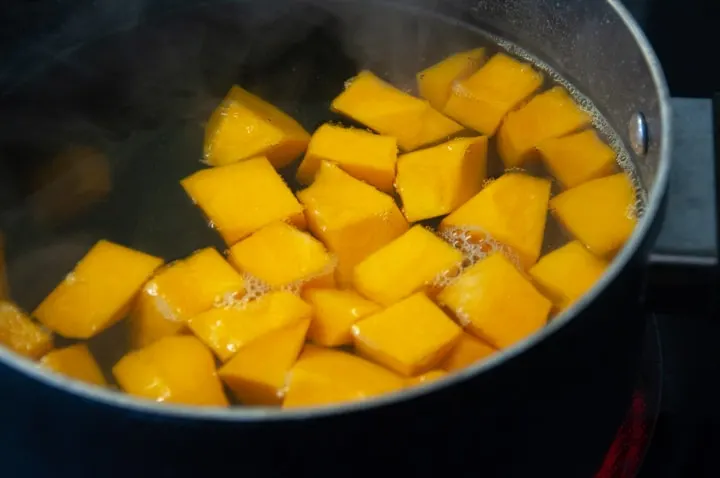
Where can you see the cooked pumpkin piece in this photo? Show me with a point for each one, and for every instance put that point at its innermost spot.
(512, 210)
(362, 154)
(577, 158)
(257, 373)
(481, 101)
(20, 334)
(435, 82)
(243, 197)
(435, 181)
(410, 263)
(98, 292)
(281, 255)
(495, 302)
(352, 218)
(430, 376)
(177, 369)
(226, 330)
(324, 376)
(335, 312)
(567, 273)
(182, 290)
(76, 362)
(409, 337)
(389, 111)
(466, 352)
(245, 126)
(599, 213)
(550, 114)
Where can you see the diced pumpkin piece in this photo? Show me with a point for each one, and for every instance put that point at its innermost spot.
(481, 101)
(435, 83)
(20, 334)
(599, 213)
(567, 273)
(76, 362)
(466, 352)
(551, 114)
(281, 255)
(433, 182)
(335, 312)
(177, 369)
(380, 106)
(362, 154)
(69, 184)
(352, 218)
(325, 376)
(98, 292)
(494, 301)
(512, 210)
(180, 291)
(227, 330)
(244, 126)
(241, 198)
(258, 372)
(430, 376)
(410, 337)
(410, 263)
(577, 158)
(4, 286)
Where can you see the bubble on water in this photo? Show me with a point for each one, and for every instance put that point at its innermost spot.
(211, 224)
(487, 182)
(70, 278)
(348, 83)
(515, 170)
(254, 289)
(226, 300)
(475, 245)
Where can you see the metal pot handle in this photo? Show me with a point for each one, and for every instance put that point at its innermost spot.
(683, 264)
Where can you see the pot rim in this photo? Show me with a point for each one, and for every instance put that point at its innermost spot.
(256, 414)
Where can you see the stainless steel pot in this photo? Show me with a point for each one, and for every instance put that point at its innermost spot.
(557, 394)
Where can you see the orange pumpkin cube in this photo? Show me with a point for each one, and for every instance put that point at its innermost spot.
(76, 362)
(335, 313)
(180, 291)
(243, 197)
(494, 301)
(20, 334)
(433, 182)
(352, 218)
(551, 114)
(227, 330)
(577, 158)
(281, 255)
(567, 273)
(258, 372)
(362, 154)
(410, 337)
(481, 101)
(177, 369)
(410, 263)
(245, 126)
(512, 210)
(430, 376)
(98, 292)
(599, 213)
(325, 376)
(435, 83)
(467, 351)
(380, 106)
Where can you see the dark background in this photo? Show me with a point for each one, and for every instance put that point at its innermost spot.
(685, 36)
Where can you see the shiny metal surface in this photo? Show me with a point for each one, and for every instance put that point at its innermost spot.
(596, 45)
(638, 134)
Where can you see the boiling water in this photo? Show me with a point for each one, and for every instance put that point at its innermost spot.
(141, 98)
